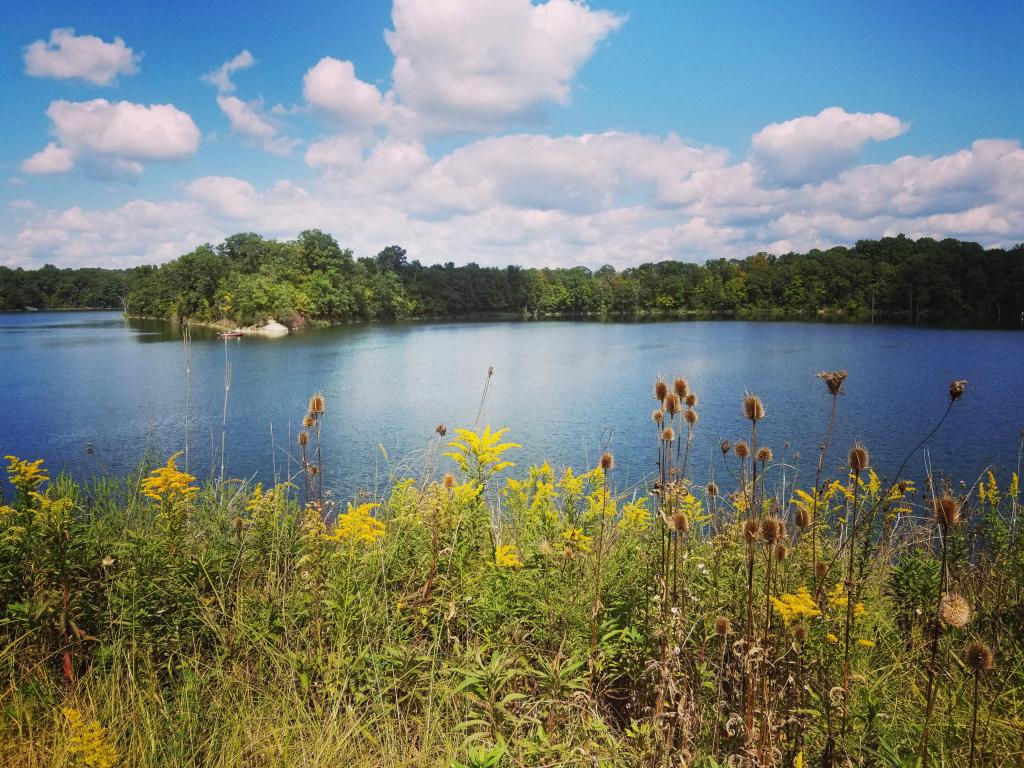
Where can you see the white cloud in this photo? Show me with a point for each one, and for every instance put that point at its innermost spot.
(68, 55)
(51, 159)
(467, 64)
(331, 85)
(116, 137)
(813, 148)
(338, 153)
(220, 78)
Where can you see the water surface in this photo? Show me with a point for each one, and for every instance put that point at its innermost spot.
(93, 392)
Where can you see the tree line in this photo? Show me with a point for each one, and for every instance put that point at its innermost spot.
(247, 279)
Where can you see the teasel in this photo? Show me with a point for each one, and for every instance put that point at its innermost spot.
(672, 404)
(753, 408)
(725, 446)
(690, 400)
(781, 552)
(956, 389)
(834, 381)
(858, 460)
(681, 387)
(668, 434)
(764, 454)
(448, 481)
(946, 511)
(441, 430)
(307, 421)
(954, 610)
(821, 571)
(712, 488)
(303, 438)
(978, 658)
(723, 628)
(741, 449)
(607, 461)
(802, 518)
(658, 416)
(691, 417)
(772, 529)
(316, 403)
(660, 389)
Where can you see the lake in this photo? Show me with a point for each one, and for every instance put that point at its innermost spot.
(93, 392)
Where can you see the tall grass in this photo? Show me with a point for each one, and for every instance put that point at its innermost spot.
(504, 616)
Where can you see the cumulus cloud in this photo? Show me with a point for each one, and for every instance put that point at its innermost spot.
(480, 63)
(332, 87)
(67, 55)
(114, 136)
(220, 78)
(813, 148)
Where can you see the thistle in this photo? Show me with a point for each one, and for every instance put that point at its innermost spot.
(681, 387)
(660, 389)
(956, 389)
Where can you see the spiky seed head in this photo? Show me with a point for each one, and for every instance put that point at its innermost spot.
(741, 449)
(802, 518)
(307, 422)
(448, 481)
(771, 529)
(800, 633)
(764, 454)
(313, 469)
(726, 446)
(781, 552)
(316, 403)
(834, 381)
(672, 404)
(607, 461)
(946, 510)
(821, 570)
(691, 417)
(681, 387)
(668, 434)
(753, 408)
(441, 429)
(303, 438)
(954, 610)
(658, 416)
(978, 656)
(859, 458)
(723, 626)
(956, 389)
(690, 400)
(751, 530)
(660, 389)
(679, 522)
(712, 488)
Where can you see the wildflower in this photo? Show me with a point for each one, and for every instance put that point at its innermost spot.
(26, 476)
(796, 606)
(956, 389)
(316, 403)
(865, 643)
(658, 416)
(837, 598)
(954, 610)
(357, 525)
(832, 638)
(88, 741)
(668, 434)
(858, 458)
(753, 408)
(635, 516)
(574, 538)
(507, 556)
(834, 381)
(681, 387)
(480, 454)
(168, 484)
(660, 389)
(978, 656)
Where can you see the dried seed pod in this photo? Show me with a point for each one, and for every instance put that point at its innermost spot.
(691, 399)
(741, 449)
(802, 518)
(658, 416)
(668, 434)
(441, 429)
(800, 633)
(316, 403)
(781, 552)
(771, 529)
(834, 381)
(448, 481)
(946, 510)
(681, 387)
(753, 408)
(978, 656)
(303, 438)
(726, 446)
(956, 389)
(765, 455)
(723, 626)
(607, 461)
(859, 458)
(660, 389)
(821, 570)
(679, 522)
(691, 417)
(751, 530)
(712, 488)
(954, 610)
(672, 404)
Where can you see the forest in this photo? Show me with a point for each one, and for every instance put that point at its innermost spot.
(247, 279)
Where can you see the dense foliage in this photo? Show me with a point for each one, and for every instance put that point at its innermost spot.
(500, 617)
(247, 279)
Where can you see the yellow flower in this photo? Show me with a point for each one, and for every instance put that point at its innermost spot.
(357, 525)
(837, 599)
(88, 741)
(832, 638)
(635, 516)
(26, 476)
(507, 556)
(169, 484)
(575, 538)
(480, 454)
(863, 643)
(796, 606)
(798, 761)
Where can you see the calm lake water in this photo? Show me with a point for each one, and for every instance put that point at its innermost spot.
(92, 392)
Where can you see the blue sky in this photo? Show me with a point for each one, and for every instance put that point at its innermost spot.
(498, 131)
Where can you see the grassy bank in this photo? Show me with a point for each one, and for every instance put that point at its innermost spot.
(485, 614)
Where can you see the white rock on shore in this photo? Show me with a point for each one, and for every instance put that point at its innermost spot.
(272, 328)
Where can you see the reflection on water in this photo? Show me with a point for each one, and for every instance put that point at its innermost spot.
(94, 392)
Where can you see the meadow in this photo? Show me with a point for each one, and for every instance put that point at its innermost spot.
(485, 614)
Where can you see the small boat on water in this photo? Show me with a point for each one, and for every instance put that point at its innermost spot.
(230, 334)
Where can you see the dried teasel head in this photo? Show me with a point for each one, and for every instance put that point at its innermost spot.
(303, 438)
(834, 381)
(772, 529)
(691, 417)
(800, 633)
(658, 416)
(956, 389)
(690, 400)
(607, 461)
(802, 518)
(668, 434)
(764, 454)
(751, 530)
(859, 458)
(307, 422)
(753, 408)
(316, 403)
(679, 522)
(672, 404)
(946, 510)
(681, 387)
(712, 488)
(441, 429)
(726, 446)
(821, 570)
(978, 656)
(660, 389)
(954, 610)
(448, 481)
(723, 626)
(741, 449)
(781, 552)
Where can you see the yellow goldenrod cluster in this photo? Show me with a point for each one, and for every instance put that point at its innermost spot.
(507, 556)
(796, 606)
(357, 525)
(988, 492)
(831, 637)
(88, 741)
(576, 540)
(635, 516)
(837, 599)
(26, 476)
(168, 484)
(480, 454)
